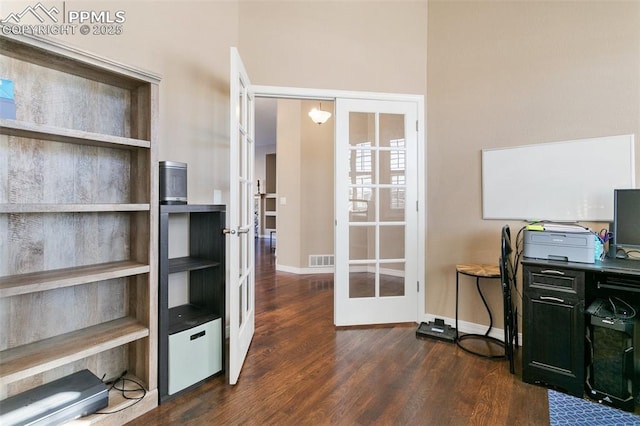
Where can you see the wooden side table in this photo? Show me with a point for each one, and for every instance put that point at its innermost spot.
(486, 272)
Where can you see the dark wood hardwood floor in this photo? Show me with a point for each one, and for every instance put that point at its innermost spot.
(301, 369)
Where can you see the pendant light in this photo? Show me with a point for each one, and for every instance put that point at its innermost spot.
(318, 115)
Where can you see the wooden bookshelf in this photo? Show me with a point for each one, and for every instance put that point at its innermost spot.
(79, 215)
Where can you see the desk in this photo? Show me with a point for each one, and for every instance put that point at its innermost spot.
(478, 271)
(555, 326)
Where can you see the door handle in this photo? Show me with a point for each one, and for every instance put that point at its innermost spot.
(552, 271)
(555, 299)
(233, 231)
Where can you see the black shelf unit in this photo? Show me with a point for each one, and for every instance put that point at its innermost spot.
(205, 266)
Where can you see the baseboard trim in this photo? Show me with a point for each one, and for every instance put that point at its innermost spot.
(304, 271)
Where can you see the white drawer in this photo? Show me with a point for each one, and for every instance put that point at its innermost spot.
(194, 355)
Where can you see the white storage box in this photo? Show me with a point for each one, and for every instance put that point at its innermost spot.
(194, 355)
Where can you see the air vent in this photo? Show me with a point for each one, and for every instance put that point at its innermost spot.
(320, 260)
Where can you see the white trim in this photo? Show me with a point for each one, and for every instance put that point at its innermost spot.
(422, 207)
(76, 54)
(305, 271)
(331, 270)
(331, 94)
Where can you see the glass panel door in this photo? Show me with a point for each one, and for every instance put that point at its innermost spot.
(376, 218)
(241, 285)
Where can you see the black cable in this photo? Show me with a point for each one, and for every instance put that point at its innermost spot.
(113, 381)
(122, 388)
(518, 254)
(628, 314)
(632, 257)
(621, 253)
(519, 250)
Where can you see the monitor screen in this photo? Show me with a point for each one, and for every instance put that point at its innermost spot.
(626, 217)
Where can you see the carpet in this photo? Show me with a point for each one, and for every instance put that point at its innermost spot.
(568, 410)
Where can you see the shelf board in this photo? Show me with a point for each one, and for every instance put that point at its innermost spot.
(28, 130)
(14, 285)
(72, 208)
(187, 316)
(120, 409)
(27, 360)
(191, 208)
(188, 263)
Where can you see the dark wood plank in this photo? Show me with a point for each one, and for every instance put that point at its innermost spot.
(301, 369)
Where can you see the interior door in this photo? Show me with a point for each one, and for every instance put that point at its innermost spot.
(240, 234)
(376, 187)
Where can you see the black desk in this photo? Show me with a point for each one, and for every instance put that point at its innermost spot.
(627, 267)
(555, 325)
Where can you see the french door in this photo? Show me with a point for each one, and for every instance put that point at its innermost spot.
(240, 233)
(376, 202)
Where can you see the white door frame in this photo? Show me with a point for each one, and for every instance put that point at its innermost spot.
(332, 95)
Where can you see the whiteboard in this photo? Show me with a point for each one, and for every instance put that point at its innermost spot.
(561, 181)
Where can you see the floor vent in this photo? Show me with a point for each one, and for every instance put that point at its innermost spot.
(320, 260)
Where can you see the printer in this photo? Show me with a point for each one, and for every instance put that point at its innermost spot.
(566, 244)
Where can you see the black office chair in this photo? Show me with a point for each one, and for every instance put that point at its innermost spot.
(508, 278)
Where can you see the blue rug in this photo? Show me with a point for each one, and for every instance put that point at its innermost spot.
(568, 410)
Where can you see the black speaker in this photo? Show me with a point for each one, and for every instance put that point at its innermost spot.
(610, 373)
(173, 182)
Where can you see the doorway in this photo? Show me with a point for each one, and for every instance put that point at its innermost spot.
(417, 246)
(295, 208)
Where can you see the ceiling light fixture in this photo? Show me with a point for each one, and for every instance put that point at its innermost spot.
(318, 115)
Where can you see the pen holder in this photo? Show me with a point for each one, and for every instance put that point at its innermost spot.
(598, 248)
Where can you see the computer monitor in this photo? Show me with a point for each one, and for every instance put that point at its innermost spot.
(626, 218)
